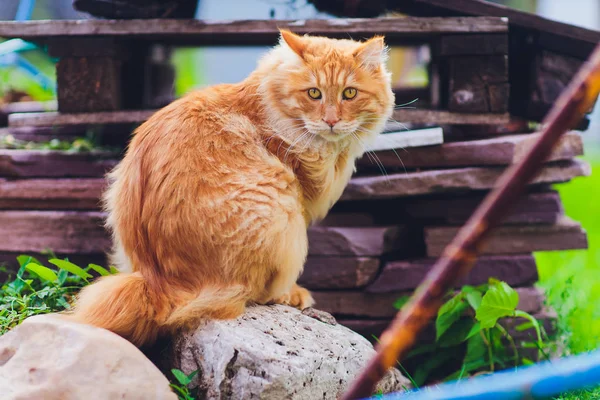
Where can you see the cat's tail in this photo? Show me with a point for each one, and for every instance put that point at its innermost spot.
(125, 304)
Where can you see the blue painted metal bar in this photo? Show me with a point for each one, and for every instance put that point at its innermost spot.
(540, 381)
(25, 10)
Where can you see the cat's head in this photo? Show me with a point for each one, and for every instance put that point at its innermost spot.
(334, 89)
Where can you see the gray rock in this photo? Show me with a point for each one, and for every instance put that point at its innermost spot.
(50, 358)
(275, 352)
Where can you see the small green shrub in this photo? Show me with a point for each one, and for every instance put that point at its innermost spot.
(468, 328)
(181, 387)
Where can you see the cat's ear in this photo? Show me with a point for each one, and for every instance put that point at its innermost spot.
(371, 54)
(293, 41)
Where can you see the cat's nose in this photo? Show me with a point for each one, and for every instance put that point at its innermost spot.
(331, 121)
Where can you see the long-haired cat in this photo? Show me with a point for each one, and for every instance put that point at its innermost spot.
(210, 206)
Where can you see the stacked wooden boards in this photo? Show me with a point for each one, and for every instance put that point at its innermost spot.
(375, 246)
(395, 216)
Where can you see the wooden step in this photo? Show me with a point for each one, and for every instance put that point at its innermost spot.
(502, 150)
(53, 194)
(338, 272)
(246, 32)
(54, 164)
(516, 270)
(566, 234)
(451, 180)
(425, 117)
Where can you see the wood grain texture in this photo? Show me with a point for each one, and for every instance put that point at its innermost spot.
(516, 270)
(338, 272)
(265, 32)
(451, 180)
(503, 150)
(357, 242)
(57, 194)
(565, 234)
(429, 117)
(67, 232)
(54, 164)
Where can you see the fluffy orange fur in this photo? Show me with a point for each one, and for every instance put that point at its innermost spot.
(210, 206)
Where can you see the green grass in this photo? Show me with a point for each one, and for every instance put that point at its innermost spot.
(571, 279)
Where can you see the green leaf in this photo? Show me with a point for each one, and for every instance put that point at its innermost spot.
(44, 273)
(449, 313)
(476, 350)
(62, 276)
(113, 270)
(193, 374)
(102, 271)
(459, 332)
(398, 304)
(25, 259)
(431, 364)
(72, 268)
(474, 299)
(181, 377)
(500, 301)
(422, 349)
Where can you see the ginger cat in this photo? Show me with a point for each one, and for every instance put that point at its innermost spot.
(210, 206)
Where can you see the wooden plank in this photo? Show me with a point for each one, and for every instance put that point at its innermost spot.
(566, 38)
(477, 44)
(357, 242)
(566, 234)
(436, 117)
(55, 164)
(68, 232)
(356, 303)
(57, 194)
(428, 117)
(404, 139)
(532, 208)
(503, 150)
(338, 272)
(478, 84)
(246, 32)
(97, 118)
(451, 180)
(516, 270)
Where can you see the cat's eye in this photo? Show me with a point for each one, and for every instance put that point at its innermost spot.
(314, 93)
(349, 93)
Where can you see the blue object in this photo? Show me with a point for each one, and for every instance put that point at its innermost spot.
(10, 49)
(540, 381)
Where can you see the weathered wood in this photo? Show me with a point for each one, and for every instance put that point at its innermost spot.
(503, 150)
(517, 270)
(532, 208)
(127, 9)
(57, 194)
(88, 84)
(357, 303)
(96, 118)
(429, 117)
(255, 32)
(404, 139)
(567, 39)
(55, 164)
(477, 44)
(338, 272)
(68, 232)
(357, 242)
(551, 74)
(566, 234)
(43, 133)
(452, 180)
(478, 84)
(436, 117)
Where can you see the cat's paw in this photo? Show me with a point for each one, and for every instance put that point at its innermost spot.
(298, 297)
